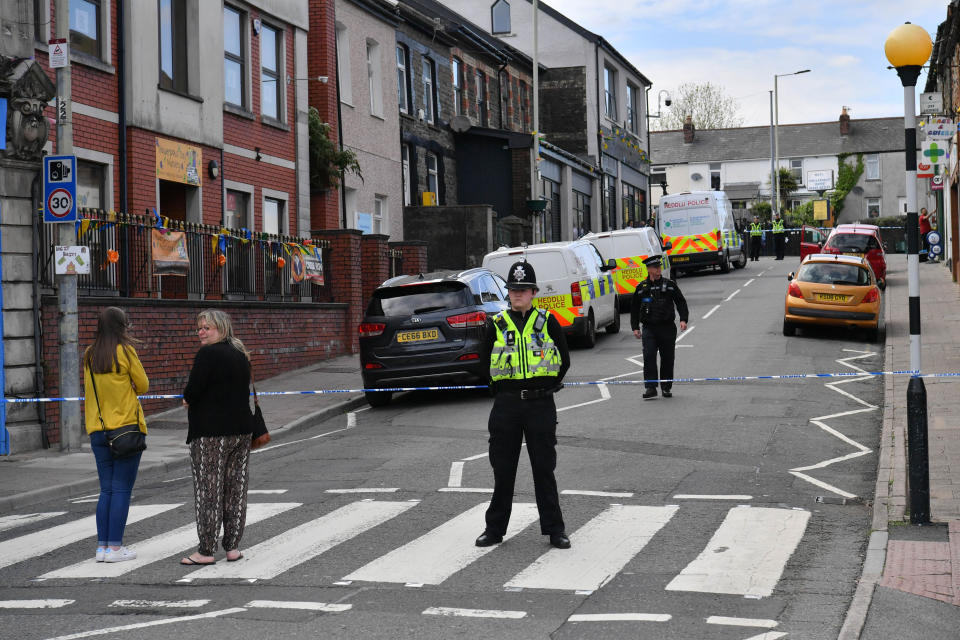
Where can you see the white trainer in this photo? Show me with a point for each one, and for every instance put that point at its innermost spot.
(119, 555)
(101, 552)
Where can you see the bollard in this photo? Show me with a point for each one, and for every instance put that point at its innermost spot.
(917, 452)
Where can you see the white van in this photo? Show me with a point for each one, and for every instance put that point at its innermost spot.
(700, 228)
(629, 247)
(575, 284)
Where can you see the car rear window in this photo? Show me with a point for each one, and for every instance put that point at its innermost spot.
(549, 265)
(853, 242)
(834, 273)
(419, 298)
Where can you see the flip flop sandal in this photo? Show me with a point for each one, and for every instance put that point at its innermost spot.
(239, 557)
(188, 561)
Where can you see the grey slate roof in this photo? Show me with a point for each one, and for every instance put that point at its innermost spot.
(869, 135)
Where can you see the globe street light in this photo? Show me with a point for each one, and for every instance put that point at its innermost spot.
(775, 168)
(908, 47)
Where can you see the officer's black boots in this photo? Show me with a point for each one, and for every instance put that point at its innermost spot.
(560, 540)
(650, 393)
(667, 394)
(489, 539)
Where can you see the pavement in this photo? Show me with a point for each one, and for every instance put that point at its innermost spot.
(910, 584)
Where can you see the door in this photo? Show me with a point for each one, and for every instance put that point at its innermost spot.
(811, 241)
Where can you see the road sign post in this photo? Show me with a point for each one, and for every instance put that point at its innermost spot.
(60, 189)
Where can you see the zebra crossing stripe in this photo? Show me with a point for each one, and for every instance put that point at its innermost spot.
(620, 617)
(303, 606)
(35, 604)
(455, 612)
(152, 623)
(443, 551)
(304, 542)
(746, 554)
(20, 520)
(600, 549)
(36, 544)
(160, 547)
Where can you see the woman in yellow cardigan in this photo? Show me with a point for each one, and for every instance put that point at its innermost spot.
(112, 364)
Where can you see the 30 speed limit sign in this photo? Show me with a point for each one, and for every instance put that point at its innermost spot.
(59, 189)
(60, 203)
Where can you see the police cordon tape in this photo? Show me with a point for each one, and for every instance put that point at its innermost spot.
(315, 392)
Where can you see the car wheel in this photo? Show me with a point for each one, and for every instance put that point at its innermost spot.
(789, 329)
(378, 398)
(742, 262)
(614, 327)
(590, 334)
(725, 263)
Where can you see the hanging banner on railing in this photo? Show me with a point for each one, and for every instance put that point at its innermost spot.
(169, 251)
(297, 268)
(313, 266)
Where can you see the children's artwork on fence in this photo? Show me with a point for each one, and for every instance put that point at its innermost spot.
(169, 250)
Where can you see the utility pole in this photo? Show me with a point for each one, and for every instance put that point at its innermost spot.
(773, 160)
(535, 149)
(67, 325)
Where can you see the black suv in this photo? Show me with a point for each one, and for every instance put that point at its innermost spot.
(428, 330)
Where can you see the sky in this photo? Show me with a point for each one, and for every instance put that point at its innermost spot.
(741, 44)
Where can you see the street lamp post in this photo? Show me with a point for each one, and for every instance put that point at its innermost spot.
(908, 47)
(775, 178)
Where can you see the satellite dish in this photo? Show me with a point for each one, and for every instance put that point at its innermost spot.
(460, 124)
(696, 176)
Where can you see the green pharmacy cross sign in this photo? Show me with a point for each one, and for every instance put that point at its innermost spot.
(934, 152)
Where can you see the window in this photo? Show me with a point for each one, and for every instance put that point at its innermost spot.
(715, 176)
(632, 115)
(85, 36)
(272, 215)
(551, 219)
(581, 214)
(796, 169)
(41, 18)
(504, 100)
(873, 166)
(658, 177)
(235, 211)
(457, 69)
(379, 213)
(500, 17)
(234, 73)
(873, 207)
(481, 82)
(433, 183)
(403, 78)
(524, 110)
(405, 173)
(173, 45)
(374, 78)
(270, 85)
(429, 82)
(610, 215)
(91, 185)
(610, 92)
(632, 206)
(343, 64)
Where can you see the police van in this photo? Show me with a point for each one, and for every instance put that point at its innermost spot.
(574, 283)
(629, 247)
(701, 230)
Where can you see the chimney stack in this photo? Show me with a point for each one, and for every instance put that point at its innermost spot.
(688, 130)
(844, 122)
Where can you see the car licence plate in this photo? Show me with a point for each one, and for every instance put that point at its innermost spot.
(679, 258)
(832, 297)
(858, 255)
(423, 335)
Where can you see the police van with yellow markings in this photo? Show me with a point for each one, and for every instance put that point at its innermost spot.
(701, 230)
(576, 285)
(629, 247)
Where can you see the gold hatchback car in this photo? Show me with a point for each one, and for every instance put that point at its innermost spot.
(833, 290)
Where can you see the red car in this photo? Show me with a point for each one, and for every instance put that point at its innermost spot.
(860, 240)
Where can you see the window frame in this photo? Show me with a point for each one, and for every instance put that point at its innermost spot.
(480, 87)
(282, 210)
(610, 92)
(632, 118)
(379, 218)
(104, 181)
(374, 77)
(433, 175)
(715, 171)
(524, 109)
(98, 22)
(404, 98)
(179, 82)
(242, 18)
(870, 202)
(276, 74)
(581, 213)
(505, 96)
(405, 178)
(797, 171)
(456, 71)
(494, 30)
(868, 160)
(429, 83)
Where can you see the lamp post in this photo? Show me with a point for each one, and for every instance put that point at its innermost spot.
(775, 178)
(908, 47)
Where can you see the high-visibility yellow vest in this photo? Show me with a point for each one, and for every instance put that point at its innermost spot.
(521, 355)
(756, 229)
(778, 226)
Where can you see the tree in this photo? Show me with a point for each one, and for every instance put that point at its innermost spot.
(788, 184)
(706, 103)
(327, 162)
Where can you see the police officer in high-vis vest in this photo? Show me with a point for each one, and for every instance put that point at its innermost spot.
(652, 309)
(778, 236)
(756, 238)
(528, 359)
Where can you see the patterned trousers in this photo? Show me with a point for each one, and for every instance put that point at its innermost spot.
(220, 478)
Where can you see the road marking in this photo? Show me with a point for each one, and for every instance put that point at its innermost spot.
(730, 297)
(683, 335)
(474, 613)
(743, 622)
(287, 444)
(619, 617)
(703, 496)
(35, 604)
(267, 491)
(710, 313)
(464, 490)
(747, 283)
(746, 554)
(177, 479)
(600, 549)
(305, 542)
(161, 546)
(603, 494)
(46, 540)
(441, 552)
(769, 635)
(604, 395)
(365, 490)
(351, 420)
(160, 604)
(456, 474)
(152, 623)
(23, 519)
(305, 606)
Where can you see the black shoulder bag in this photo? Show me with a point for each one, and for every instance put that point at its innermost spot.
(123, 441)
(260, 434)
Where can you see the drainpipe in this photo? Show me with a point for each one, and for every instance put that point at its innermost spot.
(343, 174)
(122, 134)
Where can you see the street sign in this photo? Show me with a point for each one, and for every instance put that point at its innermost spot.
(931, 103)
(939, 128)
(821, 209)
(59, 189)
(59, 52)
(936, 182)
(821, 180)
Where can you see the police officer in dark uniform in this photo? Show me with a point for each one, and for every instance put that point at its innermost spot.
(528, 358)
(652, 307)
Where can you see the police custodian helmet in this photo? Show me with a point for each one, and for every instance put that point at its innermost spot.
(521, 276)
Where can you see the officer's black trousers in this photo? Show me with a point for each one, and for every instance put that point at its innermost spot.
(662, 338)
(778, 243)
(755, 244)
(512, 420)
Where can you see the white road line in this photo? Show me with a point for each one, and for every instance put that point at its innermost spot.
(178, 479)
(161, 546)
(474, 613)
(95, 496)
(600, 549)
(152, 623)
(441, 552)
(746, 554)
(287, 444)
(365, 490)
(456, 474)
(464, 490)
(46, 540)
(84, 500)
(604, 395)
(267, 491)
(160, 604)
(305, 542)
(351, 420)
(35, 604)
(747, 283)
(23, 519)
(730, 297)
(743, 622)
(706, 496)
(476, 457)
(602, 494)
(619, 617)
(304, 606)
(769, 635)
(710, 313)
(683, 335)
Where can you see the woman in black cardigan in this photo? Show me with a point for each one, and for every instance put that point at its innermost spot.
(219, 432)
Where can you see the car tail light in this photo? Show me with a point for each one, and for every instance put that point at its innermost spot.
(794, 290)
(828, 249)
(467, 320)
(872, 296)
(371, 329)
(373, 365)
(469, 356)
(575, 293)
